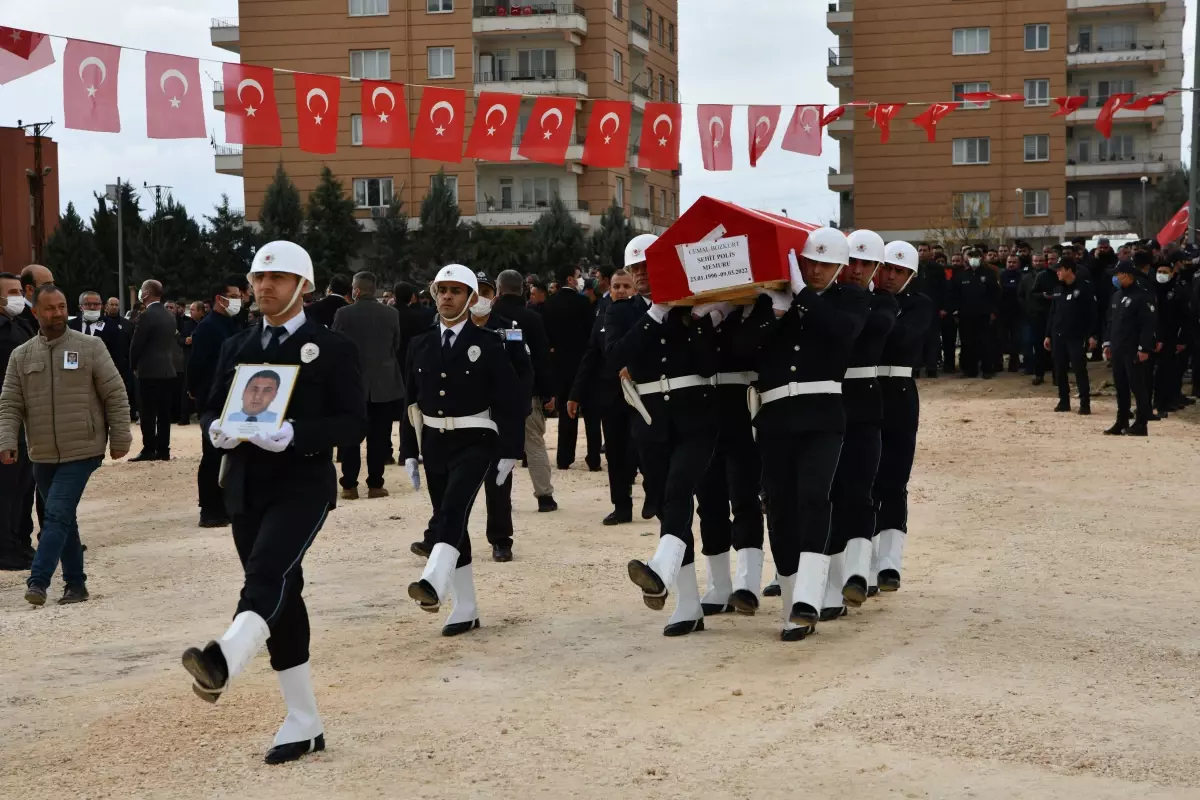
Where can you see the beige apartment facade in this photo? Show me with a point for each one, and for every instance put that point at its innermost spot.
(1004, 169)
(589, 49)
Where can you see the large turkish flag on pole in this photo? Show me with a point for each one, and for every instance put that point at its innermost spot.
(440, 125)
(90, 73)
(660, 136)
(607, 142)
(716, 150)
(384, 115)
(496, 117)
(548, 134)
(1176, 227)
(317, 112)
(251, 114)
(174, 109)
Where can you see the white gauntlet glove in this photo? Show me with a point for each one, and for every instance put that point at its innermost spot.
(220, 439)
(414, 472)
(780, 301)
(794, 269)
(658, 312)
(717, 311)
(504, 468)
(275, 442)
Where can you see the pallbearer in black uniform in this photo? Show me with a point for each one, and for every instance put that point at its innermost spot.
(853, 519)
(901, 411)
(671, 355)
(467, 420)
(279, 488)
(803, 339)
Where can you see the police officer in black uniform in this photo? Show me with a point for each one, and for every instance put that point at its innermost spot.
(1070, 333)
(279, 487)
(468, 422)
(1174, 329)
(976, 298)
(1128, 343)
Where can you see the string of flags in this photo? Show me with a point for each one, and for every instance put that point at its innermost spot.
(175, 110)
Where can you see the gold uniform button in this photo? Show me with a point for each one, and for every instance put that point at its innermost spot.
(795, 347)
(793, 369)
(662, 341)
(442, 392)
(443, 374)
(666, 397)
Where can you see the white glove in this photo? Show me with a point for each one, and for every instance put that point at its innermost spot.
(276, 442)
(220, 439)
(794, 268)
(780, 301)
(718, 312)
(504, 468)
(658, 312)
(414, 474)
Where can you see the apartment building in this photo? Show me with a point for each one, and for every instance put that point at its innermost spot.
(1005, 169)
(21, 241)
(597, 49)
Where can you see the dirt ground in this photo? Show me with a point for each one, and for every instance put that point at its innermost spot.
(1044, 644)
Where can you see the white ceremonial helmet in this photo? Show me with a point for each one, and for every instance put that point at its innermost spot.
(865, 245)
(455, 273)
(901, 254)
(635, 251)
(827, 245)
(289, 257)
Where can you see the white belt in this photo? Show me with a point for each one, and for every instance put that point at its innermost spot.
(895, 372)
(673, 384)
(861, 372)
(736, 378)
(796, 389)
(480, 420)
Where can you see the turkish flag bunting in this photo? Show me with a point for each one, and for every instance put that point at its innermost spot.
(548, 133)
(251, 113)
(715, 148)
(174, 108)
(660, 142)
(932, 116)
(317, 112)
(90, 87)
(384, 115)
(1104, 120)
(881, 114)
(13, 67)
(804, 132)
(1068, 105)
(496, 117)
(1176, 227)
(836, 114)
(18, 42)
(762, 121)
(991, 97)
(1143, 103)
(607, 142)
(440, 125)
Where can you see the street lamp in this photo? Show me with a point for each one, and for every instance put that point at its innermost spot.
(1145, 180)
(1071, 217)
(1017, 213)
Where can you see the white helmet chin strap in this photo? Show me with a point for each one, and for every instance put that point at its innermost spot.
(450, 323)
(912, 273)
(295, 295)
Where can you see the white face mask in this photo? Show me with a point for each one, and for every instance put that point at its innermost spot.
(974, 262)
(91, 316)
(482, 307)
(1162, 277)
(14, 304)
(235, 305)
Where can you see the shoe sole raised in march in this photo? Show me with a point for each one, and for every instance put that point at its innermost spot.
(205, 686)
(654, 594)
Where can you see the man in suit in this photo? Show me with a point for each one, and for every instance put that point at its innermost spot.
(375, 330)
(112, 313)
(91, 321)
(337, 296)
(152, 358)
(414, 317)
(190, 321)
(568, 316)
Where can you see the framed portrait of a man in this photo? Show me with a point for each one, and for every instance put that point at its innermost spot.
(258, 399)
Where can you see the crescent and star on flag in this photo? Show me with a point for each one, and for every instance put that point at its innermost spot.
(615, 118)
(317, 92)
(491, 131)
(757, 124)
(808, 126)
(92, 61)
(440, 129)
(557, 114)
(251, 110)
(662, 142)
(162, 84)
(716, 137)
(382, 90)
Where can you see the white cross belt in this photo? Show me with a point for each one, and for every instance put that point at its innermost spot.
(673, 384)
(797, 389)
(861, 372)
(736, 378)
(480, 420)
(895, 372)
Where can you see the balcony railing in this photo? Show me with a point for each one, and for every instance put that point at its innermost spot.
(1118, 47)
(224, 22)
(525, 208)
(226, 150)
(637, 27)
(518, 10)
(531, 75)
(1098, 102)
(639, 90)
(638, 211)
(840, 56)
(1116, 158)
(218, 86)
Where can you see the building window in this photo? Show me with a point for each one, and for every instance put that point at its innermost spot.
(439, 6)
(972, 205)
(1037, 92)
(368, 8)
(671, 36)
(618, 63)
(1037, 203)
(650, 83)
(972, 41)
(1106, 89)
(537, 63)
(372, 192)
(662, 88)
(1037, 37)
(371, 64)
(649, 24)
(506, 195)
(671, 86)
(538, 192)
(451, 181)
(1037, 147)
(675, 205)
(973, 151)
(1116, 37)
(616, 6)
(1118, 148)
(662, 202)
(356, 129)
(964, 88)
(662, 30)
(619, 199)
(441, 62)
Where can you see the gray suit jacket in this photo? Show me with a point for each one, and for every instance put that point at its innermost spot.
(152, 352)
(375, 330)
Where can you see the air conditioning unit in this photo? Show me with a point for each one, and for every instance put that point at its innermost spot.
(377, 212)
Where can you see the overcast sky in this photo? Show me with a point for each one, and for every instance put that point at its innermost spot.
(765, 51)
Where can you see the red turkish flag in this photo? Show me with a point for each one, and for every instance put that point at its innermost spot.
(716, 149)
(762, 121)
(805, 132)
(90, 74)
(932, 116)
(548, 133)
(990, 97)
(1104, 120)
(1068, 105)
(440, 125)
(607, 142)
(174, 108)
(836, 114)
(317, 112)
(13, 67)
(20, 43)
(496, 117)
(660, 142)
(1175, 228)
(881, 114)
(251, 113)
(384, 115)
(1143, 103)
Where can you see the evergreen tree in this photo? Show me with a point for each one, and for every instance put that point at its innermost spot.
(441, 238)
(391, 260)
(557, 238)
(494, 250)
(104, 229)
(76, 261)
(281, 216)
(229, 243)
(333, 232)
(609, 240)
(170, 250)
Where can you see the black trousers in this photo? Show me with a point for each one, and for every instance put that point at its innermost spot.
(156, 396)
(932, 347)
(1071, 352)
(949, 341)
(730, 488)
(16, 480)
(499, 513)
(32, 501)
(891, 480)
(380, 417)
(568, 429)
(453, 487)
(673, 469)
(177, 399)
(1164, 383)
(208, 488)
(1041, 359)
(798, 470)
(1010, 327)
(622, 456)
(272, 535)
(593, 429)
(976, 332)
(1129, 376)
(187, 406)
(853, 513)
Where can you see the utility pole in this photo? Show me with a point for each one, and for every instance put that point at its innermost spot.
(1194, 172)
(37, 188)
(157, 219)
(114, 195)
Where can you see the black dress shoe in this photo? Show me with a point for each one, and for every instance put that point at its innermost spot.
(872, 591)
(830, 614)
(145, 455)
(772, 590)
(1137, 429)
(889, 580)
(1117, 429)
(796, 634)
(1038, 381)
(281, 754)
(390, 461)
(501, 554)
(455, 628)
(855, 592)
(207, 666)
(1155, 418)
(74, 594)
(1085, 411)
(712, 609)
(419, 549)
(804, 614)
(165, 456)
(546, 504)
(594, 467)
(1062, 407)
(654, 593)
(649, 510)
(987, 376)
(744, 602)
(618, 518)
(422, 591)
(931, 373)
(684, 628)
(213, 522)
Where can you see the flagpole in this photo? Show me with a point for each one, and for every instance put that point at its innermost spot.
(1194, 172)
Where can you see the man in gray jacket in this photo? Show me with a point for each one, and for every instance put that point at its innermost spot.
(152, 358)
(375, 330)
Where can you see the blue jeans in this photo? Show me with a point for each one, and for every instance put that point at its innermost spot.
(61, 487)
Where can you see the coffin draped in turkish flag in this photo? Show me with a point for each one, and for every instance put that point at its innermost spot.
(718, 250)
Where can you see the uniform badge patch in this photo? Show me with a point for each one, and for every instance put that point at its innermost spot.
(514, 335)
(309, 353)
(473, 353)
(1152, 306)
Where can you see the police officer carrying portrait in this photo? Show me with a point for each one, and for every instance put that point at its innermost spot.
(278, 489)
(1071, 333)
(467, 413)
(1128, 343)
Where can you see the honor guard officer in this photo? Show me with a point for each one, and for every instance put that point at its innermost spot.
(671, 356)
(1128, 345)
(279, 488)
(901, 412)
(853, 518)
(468, 422)
(803, 339)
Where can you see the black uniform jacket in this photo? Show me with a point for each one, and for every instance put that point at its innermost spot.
(901, 403)
(327, 409)
(1073, 311)
(597, 387)
(862, 397)
(568, 316)
(511, 333)
(1131, 321)
(811, 342)
(735, 414)
(1174, 315)
(975, 292)
(530, 322)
